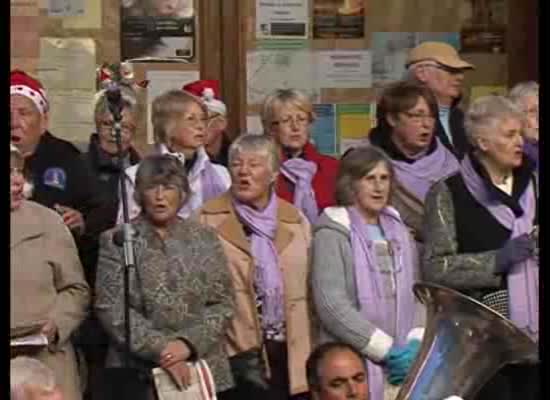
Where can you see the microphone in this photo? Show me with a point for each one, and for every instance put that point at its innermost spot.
(114, 100)
(118, 236)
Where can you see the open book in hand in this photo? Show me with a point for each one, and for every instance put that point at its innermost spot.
(202, 384)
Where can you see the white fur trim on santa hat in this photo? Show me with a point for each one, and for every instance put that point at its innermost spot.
(213, 104)
(37, 97)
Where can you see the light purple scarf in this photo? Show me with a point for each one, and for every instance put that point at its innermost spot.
(419, 176)
(523, 278)
(369, 282)
(301, 172)
(212, 184)
(269, 279)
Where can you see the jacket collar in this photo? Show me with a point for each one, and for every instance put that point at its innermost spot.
(23, 224)
(199, 163)
(231, 228)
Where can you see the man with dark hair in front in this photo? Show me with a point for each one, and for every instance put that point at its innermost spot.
(336, 371)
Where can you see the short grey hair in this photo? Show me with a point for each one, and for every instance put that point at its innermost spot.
(522, 90)
(250, 142)
(26, 371)
(355, 164)
(486, 113)
(280, 97)
(161, 169)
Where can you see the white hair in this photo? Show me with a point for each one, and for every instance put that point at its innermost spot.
(522, 90)
(250, 142)
(485, 113)
(26, 371)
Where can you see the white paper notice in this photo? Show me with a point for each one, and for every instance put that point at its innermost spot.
(160, 82)
(282, 19)
(67, 63)
(268, 70)
(72, 114)
(90, 19)
(65, 8)
(344, 69)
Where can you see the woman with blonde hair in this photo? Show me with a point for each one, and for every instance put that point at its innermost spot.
(179, 123)
(307, 178)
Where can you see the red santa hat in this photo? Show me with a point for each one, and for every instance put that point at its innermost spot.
(209, 92)
(23, 84)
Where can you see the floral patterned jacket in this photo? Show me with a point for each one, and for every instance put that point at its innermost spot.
(180, 290)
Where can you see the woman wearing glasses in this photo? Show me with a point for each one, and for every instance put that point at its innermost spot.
(307, 178)
(406, 132)
(179, 125)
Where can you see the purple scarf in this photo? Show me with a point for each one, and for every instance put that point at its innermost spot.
(269, 279)
(212, 184)
(369, 282)
(301, 172)
(523, 278)
(419, 176)
(531, 149)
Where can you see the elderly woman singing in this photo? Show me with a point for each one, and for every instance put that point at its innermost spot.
(179, 124)
(48, 292)
(266, 241)
(181, 297)
(364, 267)
(406, 132)
(307, 177)
(481, 230)
(526, 96)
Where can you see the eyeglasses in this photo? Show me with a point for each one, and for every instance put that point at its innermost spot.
(450, 70)
(193, 119)
(419, 117)
(109, 125)
(298, 120)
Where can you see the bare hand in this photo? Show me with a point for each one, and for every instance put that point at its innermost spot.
(50, 330)
(180, 374)
(174, 351)
(71, 217)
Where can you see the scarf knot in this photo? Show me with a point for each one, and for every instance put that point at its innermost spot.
(301, 173)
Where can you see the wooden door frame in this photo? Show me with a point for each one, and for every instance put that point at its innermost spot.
(222, 46)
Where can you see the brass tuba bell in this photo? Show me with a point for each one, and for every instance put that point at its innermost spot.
(465, 343)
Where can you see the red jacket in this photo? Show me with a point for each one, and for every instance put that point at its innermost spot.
(324, 181)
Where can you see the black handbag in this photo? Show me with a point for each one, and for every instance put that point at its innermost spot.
(118, 383)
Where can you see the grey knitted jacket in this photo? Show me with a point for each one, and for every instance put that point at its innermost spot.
(335, 292)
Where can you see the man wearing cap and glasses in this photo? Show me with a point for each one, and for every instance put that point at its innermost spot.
(438, 66)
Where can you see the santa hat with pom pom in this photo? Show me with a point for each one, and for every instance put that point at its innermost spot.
(25, 85)
(209, 93)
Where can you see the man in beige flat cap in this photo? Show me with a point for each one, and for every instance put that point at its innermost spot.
(438, 66)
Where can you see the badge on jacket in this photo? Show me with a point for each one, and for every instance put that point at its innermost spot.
(55, 177)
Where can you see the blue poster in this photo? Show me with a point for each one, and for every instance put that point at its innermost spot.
(323, 131)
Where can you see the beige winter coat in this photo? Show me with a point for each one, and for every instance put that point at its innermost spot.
(47, 282)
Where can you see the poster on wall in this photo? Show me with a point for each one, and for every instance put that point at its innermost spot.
(323, 131)
(485, 27)
(157, 29)
(338, 19)
(278, 19)
(344, 69)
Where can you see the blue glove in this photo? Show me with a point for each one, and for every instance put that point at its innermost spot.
(514, 251)
(399, 361)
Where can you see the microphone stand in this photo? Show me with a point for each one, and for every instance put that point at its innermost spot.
(115, 107)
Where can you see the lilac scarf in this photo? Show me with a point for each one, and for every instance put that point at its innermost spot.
(301, 172)
(212, 184)
(369, 282)
(419, 176)
(269, 279)
(523, 278)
